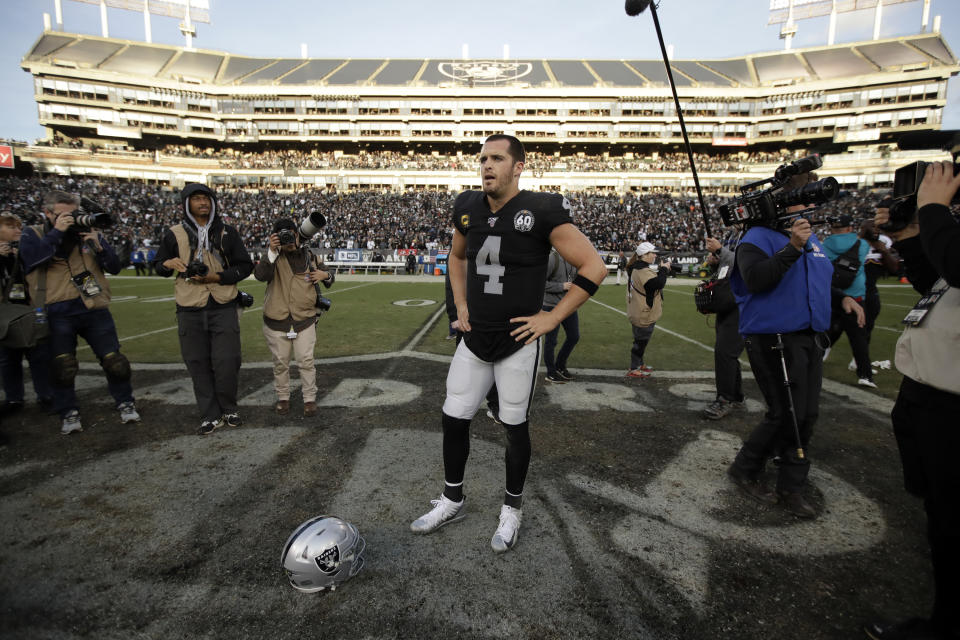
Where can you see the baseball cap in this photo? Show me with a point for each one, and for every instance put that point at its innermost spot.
(842, 220)
(645, 247)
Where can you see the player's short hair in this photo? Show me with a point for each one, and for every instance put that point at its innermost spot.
(516, 147)
(53, 198)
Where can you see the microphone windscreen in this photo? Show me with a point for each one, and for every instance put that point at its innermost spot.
(929, 140)
(636, 7)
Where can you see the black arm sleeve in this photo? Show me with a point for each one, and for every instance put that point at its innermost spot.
(761, 272)
(655, 284)
(236, 254)
(168, 249)
(918, 269)
(940, 238)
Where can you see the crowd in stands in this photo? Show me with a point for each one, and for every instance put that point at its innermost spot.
(387, 221)
(537, 163)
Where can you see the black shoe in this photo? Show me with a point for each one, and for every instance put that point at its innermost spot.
(555, 377)
(563, 373)
(912, 629)
(232, 419)
(752, 488)
(209, 426)
(795, 503)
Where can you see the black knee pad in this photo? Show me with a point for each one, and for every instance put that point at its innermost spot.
(65, 368)
(116, 366)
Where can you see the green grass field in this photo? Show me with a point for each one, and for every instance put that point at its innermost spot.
(365, 320)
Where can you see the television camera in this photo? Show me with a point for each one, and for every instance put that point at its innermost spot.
(907, 179)
(760, 204)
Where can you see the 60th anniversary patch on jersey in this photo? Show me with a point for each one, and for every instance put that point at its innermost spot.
(523, 220)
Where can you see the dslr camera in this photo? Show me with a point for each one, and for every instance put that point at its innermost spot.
(286, 236)
(765, 202)
(907, 179)
(91, 216)
(196, 268)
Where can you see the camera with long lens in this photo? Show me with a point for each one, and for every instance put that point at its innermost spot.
(196, 268)
(907, 179)
(311, 225)
(92, 216)
(765, 202)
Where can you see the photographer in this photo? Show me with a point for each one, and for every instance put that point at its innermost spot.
(926, 412)
(645, 283)
(209, 259)
(71, 260)
(13, 290)
(292, 274)
(782, 283)
(728, 344)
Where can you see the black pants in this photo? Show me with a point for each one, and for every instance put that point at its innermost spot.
(859, 342)
(726, 353)
(775, 435)
(571, 330)
(925, 423)
(871, 309)
(210, 346)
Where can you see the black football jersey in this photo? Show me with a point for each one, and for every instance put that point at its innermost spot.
(507, 254)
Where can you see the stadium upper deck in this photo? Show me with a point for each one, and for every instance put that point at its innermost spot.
(149, 94)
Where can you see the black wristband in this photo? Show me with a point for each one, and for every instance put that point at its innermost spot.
(587, 285)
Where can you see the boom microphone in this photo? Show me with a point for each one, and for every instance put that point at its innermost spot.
(636, 7)
(915, 140)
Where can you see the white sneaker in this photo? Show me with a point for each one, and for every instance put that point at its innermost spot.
(852, 366)
(71, 422)
(506, 534)
(866, 382)
(826, 352)
(128, 413)
(444, 512)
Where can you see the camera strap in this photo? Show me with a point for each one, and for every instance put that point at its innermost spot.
(925, 304)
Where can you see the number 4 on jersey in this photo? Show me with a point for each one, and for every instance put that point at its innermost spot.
(488, 264)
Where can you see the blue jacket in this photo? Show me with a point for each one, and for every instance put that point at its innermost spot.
(835, 246)
(800, 300)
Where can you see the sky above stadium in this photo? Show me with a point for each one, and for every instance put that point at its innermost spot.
(597, 29)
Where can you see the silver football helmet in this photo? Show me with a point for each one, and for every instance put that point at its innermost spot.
(322, 553)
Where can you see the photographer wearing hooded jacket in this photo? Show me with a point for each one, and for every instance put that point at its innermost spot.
(209, 259)
(925, 415)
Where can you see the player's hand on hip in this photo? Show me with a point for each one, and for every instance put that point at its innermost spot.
(532, 327)
(463, 319)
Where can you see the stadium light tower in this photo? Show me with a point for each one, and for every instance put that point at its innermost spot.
(787, 12)
(190, 10)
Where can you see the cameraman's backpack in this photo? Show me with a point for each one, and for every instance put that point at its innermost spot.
(845, 266)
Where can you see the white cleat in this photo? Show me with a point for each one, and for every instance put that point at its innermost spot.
(508, 529)
(444, 512)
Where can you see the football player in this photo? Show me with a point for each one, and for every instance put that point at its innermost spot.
(498, 269)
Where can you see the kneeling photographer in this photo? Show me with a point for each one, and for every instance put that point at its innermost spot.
(925, 415)
(782, 282)
(209, 259)
(65, 260)
(291, 306)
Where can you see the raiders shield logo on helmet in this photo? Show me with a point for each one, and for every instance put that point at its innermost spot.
(329, 560)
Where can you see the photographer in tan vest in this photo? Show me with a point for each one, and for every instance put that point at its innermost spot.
(209, 259)
(69, 260)
(290, 311)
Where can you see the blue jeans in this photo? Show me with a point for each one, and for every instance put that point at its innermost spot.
(571, 329)
(11, 368)
(97, 328)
